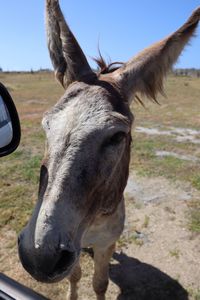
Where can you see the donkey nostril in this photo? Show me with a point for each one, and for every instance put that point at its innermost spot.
(66, 259)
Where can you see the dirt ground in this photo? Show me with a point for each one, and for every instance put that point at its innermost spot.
(157, 257)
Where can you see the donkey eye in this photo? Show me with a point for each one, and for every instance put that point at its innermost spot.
(116, 138)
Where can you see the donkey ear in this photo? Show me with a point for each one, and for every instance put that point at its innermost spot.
(145, 72)
(68, 59)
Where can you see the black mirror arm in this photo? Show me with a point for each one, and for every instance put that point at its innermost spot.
(14, 119)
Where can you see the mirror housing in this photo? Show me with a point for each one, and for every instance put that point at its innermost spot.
(13, 129)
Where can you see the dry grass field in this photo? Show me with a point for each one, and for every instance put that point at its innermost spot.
(158, 255)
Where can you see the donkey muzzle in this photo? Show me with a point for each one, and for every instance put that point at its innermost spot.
(49, 263)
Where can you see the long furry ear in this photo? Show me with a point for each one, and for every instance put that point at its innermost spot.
(68, 59)
(145, 72)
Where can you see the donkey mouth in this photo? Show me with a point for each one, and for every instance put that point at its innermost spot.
(49, 269)
(62, 268)
(59, 273)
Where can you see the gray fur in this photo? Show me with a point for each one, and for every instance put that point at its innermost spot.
(86, 161)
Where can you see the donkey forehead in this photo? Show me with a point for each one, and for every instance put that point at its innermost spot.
(85, 108)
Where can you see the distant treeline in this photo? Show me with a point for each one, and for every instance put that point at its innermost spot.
(192, 72)
(31, 71)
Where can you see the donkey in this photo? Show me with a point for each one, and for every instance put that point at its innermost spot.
(86, 161)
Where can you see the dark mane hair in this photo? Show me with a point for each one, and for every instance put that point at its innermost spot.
(104, 67)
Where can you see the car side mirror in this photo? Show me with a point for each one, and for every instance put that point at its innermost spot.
(10, 131)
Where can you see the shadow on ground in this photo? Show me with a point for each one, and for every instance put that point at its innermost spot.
(141, 281)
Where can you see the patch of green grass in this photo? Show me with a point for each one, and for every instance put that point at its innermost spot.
(169, 166)
(24, 169)
(138, 242)
(17, 154)
(145, 147)
(196, 181)
(30, 169)
(19, 174)
(146, 221)
(195, 294)
(146, 163)
(15, 206)
(175, 253)
(194, 216)
(124, 241)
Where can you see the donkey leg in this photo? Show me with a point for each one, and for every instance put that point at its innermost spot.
(101, 270)
(73, 283)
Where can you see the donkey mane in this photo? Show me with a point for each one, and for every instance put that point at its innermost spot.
(106, 67)
(110, 67)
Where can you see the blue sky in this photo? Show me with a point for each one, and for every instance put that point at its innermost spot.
(122, 28)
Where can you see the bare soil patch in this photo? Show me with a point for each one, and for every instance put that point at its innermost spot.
(166, 242)
(157, 256)
(176, 155)
(179, 134)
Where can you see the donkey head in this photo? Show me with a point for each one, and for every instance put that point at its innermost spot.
(85, 168)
